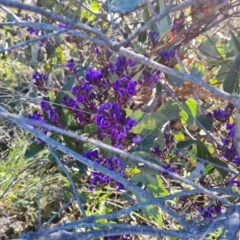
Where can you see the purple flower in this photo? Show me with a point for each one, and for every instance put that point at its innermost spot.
(229, 108)
(98, 179)
(169, 168)
(32, 31)
(62, 25)
(166, 55)
(225, 141)
(158, 153)
(39, 79)
(71, 64)
(229, 152)
(210, 211)
(221, 115)
(125, 88)
(237, 161)
(38, 117)
(131, 63)
(136, 139)
(178, 23)
(97, 51)
(154, 36)
(120, 65)
(112, 121)
(108, 53)
(45, 103)
(93, 76)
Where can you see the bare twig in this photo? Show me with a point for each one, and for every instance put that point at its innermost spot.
(75, 192)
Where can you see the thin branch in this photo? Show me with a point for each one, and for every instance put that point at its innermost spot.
(234, 222)
(75, 192)
(148, 62)
(59, 18)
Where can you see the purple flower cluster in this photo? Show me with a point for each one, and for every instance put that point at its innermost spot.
(223, 115)
(233, 182)
(154, 36)
(112, 122)
(169, 168)
(158, 152)
(39, 79)
(46, 107)
(38, 117)
(178, 23)
(214, 209)
(125, 88)
(87, 94)
(62, 25)
(166, 55)
(98, 179)
(32, 31)
(229, 151)
(71, 65)
(149, 80)
(121, 65)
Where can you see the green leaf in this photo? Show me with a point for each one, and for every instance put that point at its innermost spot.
(33, 149)
(185, 144)
(91, 128)
(147, 122)
(59, 39)
(124, 5)
(140, 177)
(95, 6)
(192, 107)
(235, 44)
(175, 80)
(170, 110)
(222, 172)
(156, 185)
(67, 117)
(178, 136)
(153, 211)
(67, 87)
(60, 54)
(142, 154)
(164, 24)
(107, 141)
(146, 14)
(138, 48)
(206, 122)
(70, 142)
(231, 82)
(209, 169)
(203, 152)
(141, 38)
(51, 50)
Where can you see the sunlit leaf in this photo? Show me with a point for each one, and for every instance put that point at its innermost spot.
(95, 6)
(178, 136)
(192, 107)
